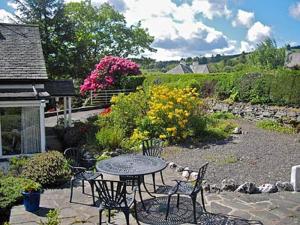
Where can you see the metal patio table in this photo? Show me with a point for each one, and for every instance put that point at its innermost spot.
(132, 167)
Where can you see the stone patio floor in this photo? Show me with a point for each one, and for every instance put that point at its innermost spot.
(225, 208)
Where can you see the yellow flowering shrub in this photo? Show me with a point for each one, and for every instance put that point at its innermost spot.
(170, 114)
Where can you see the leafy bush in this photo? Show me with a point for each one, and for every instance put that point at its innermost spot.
(52, 218)
(110, 137)
(275, 126)
(49, 169)
(126, 110)
(170, 113)
(10, 194)
(132, 82)
(17, 164)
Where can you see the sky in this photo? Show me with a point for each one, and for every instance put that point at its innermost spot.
(188, 28)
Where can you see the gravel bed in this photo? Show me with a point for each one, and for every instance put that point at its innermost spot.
(257, 156)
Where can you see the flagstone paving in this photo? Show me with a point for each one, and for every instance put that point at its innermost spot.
(282, 208)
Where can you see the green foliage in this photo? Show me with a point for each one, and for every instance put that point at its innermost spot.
(17, 164)
(110, 138)
(11, 191)
(49, 169)
(132, 82)
(126, 111)
(279, 87)
(267, 55)
(52, 218)
(32, 186)
(221, 159)
(275, 126)
(103, 157)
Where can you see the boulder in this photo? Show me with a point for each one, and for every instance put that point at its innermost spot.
(248, 188)
(267, 188)
(284, 186)
(172, 165)
(179, 169)
(228, 185)
(193, 176)
(206, 187)
(237, 130)
(215, 188)
(185, 174)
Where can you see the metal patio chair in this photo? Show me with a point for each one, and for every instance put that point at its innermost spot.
(113, 195)
(153, 147)
(80, 173)
(189, 188)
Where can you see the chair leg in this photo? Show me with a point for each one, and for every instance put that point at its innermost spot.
(100, 217)
(109, 214)
(126, 213)
(82, 186)
(178, 196)
(71, 187)
(202, 199)
(93, 192)
(135, 212)
(168, 206)
(153, 178)
(162, 178)
(194, 208)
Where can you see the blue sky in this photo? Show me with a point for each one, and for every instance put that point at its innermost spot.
(185, 28)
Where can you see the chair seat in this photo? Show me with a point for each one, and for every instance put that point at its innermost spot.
(182, 188)
(88, 175)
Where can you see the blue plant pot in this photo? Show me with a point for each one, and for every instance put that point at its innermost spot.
(31, 201)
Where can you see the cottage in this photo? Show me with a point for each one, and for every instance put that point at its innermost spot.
(23, 94)
(185, 68)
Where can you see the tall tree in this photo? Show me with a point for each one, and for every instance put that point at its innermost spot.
(76, 35)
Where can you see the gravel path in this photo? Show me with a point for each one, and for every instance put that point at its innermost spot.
(257, 155)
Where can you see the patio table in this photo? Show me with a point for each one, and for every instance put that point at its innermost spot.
(130, 166)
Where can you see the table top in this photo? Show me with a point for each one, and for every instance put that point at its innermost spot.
(131, 165)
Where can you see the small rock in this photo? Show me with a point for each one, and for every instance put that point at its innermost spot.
(284, 186)
(206, 147)
(215, 188)
(248, 188)
(185, 174)
(187, 168)
(237, 130)
(267, 188)
(172, 165)
(193, 176)
(206, 187)
(179, 169)
(228, 185)
(119, 151)
(114, 154)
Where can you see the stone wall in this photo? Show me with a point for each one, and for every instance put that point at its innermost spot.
(286, 115)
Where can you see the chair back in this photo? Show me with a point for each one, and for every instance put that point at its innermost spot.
(200, 178)
(152, 147)
(111, 193)
(74, 156)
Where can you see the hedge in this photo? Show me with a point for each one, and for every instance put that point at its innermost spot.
(276, 87)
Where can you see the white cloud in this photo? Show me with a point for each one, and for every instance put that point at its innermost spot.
(246, 46)
(243, 18)
(258, 32)
(294, 10)
(5, 17)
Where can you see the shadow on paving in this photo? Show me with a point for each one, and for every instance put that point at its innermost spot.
(156, 211)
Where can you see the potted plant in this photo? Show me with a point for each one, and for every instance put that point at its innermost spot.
(31, 196)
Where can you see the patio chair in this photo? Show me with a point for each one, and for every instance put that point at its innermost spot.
(153, 147)
(189, 188)
(113, 195)
(80, 173)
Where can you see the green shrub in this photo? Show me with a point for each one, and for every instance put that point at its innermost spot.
(132, 82)
(49, 169)
(52, 218)
(275, 126)
(11, 194)
(110, 137)
(17, 164)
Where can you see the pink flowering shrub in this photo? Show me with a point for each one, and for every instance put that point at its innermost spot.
(109, 73)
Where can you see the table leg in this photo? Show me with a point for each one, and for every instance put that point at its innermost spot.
(146, 189)
(140, 191)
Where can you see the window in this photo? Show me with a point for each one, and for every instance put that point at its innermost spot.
(19, 130)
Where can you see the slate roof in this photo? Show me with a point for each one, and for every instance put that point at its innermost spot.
(59, 88)
(179, 69)
(21, 54)
(23, 94)
(197, 68)
(293, 60)
(194, 68)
